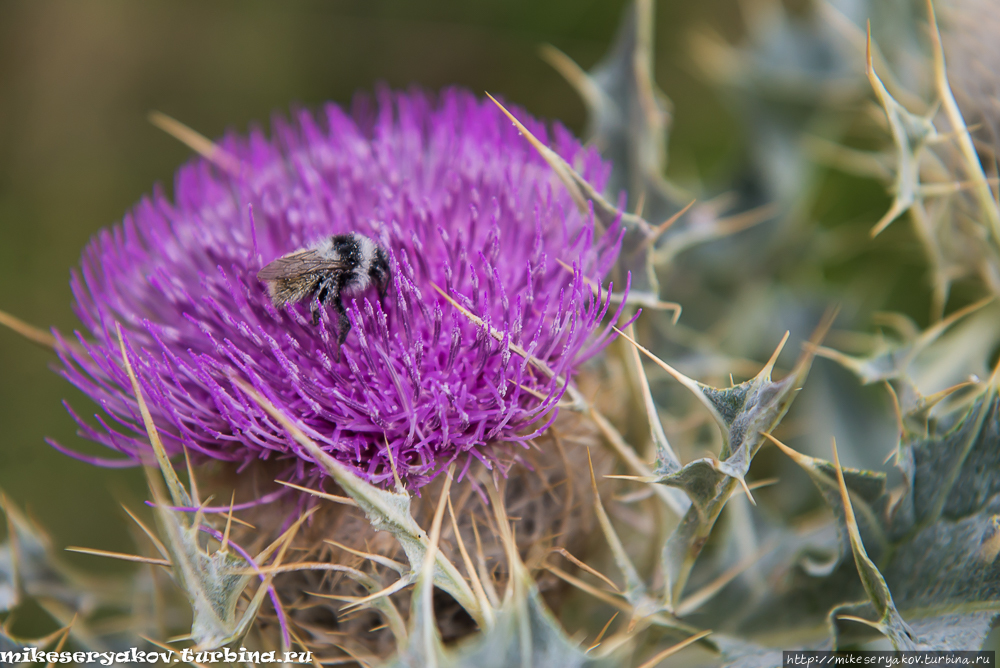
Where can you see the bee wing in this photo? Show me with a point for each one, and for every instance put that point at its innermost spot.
(298, 264)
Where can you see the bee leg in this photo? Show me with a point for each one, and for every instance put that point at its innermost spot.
(321, 297)
(330, 292)
(343, 323)
(314, 309)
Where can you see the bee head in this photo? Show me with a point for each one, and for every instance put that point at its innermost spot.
(379, 271)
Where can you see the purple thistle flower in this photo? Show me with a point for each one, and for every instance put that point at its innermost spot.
(458, 200)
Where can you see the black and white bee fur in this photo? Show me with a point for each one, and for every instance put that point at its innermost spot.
(338, 266)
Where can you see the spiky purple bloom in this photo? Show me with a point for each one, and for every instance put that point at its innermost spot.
(459, 200)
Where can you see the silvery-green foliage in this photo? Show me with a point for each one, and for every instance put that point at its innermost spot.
(629, 118)
(30, 571)
(25, 561)
(629, 115)
(798, 73)
(808, 583)
(524, 633)
(924, 568)
(213, 582)
(744, 413)
(936, 546)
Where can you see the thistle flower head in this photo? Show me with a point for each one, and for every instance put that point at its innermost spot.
(462, 205)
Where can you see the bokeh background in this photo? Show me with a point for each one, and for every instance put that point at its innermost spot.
(78, 79)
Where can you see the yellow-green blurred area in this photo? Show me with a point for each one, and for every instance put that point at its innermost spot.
(78, 79)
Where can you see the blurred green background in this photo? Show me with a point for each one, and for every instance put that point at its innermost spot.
(77, 80)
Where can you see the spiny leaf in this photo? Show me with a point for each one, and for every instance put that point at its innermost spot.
(24, 548)
(628, 114)
(524, 634)
(424, 646)
(743, 412)
(954, 631)
(910, 133)
(11, 643)
(889, 621)
(667, 461)
(751, 403)
(989, 206)
(635, 590)
(29, 569)
(940, 563)
(212, 583)
(868, 496)
(954, 474)
(953, 348)
(628, 119)
(946, 523)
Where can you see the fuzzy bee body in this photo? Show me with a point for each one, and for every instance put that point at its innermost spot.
(337, 266)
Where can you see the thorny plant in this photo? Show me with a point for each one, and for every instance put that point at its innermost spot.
(724, 557)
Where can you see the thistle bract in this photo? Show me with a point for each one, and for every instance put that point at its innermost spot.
(463, 207)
